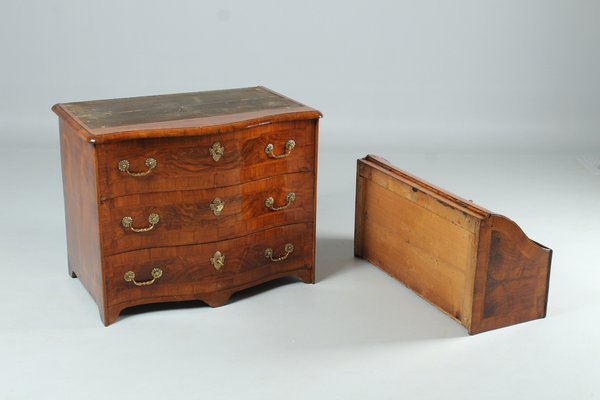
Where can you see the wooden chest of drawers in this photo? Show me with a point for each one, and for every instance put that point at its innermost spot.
(188, 196)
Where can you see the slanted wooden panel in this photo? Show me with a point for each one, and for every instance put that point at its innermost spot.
(512, 279)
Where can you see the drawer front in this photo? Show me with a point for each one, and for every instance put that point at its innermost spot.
(168, 272)
(201, 162)
(199, 216)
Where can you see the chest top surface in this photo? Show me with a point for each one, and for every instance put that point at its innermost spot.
(180, 114)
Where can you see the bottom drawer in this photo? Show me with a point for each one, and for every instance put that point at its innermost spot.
(196, 271)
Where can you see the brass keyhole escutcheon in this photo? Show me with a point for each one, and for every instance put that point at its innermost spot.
(217, 206)
(218, 260)
(216, 151)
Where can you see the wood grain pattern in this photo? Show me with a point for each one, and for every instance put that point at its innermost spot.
(188, 273)
(140, 110)
(81, 213)
(513, 275)
(178, 131)
(476, 266)
(186, 217)
(312, 276)
(186, 164)
(177, 115)
(435, 254)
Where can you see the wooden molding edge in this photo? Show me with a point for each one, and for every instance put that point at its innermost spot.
(424, 186)
(82, 131)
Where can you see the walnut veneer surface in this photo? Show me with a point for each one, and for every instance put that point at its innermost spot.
(188, 196)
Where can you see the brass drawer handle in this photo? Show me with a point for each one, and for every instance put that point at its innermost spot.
(216, 151)
(130, 277)
(218, 260)
(290, 198)
(150, 163)
(153, 219)
(289, 248)
(289, 146)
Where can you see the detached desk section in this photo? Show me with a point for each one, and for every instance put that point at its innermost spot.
(476, 266)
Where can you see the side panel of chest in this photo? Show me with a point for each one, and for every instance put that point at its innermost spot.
(79, 174)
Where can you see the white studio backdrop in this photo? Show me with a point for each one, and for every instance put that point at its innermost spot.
(427, 76)
(497, 101)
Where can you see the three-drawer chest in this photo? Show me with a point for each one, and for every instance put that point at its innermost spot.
(188, 196)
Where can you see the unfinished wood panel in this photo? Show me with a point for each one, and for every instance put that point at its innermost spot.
(427, 251)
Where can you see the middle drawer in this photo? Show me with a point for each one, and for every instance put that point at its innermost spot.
(198, 216)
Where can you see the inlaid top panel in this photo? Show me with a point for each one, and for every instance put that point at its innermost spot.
(179, 111)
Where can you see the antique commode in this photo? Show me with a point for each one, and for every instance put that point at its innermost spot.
(188, 196)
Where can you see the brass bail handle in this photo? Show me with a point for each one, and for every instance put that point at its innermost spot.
(288, 249)
(130, 277)
(270, 202)
(153, 219)
(289, 146)
(150, 163)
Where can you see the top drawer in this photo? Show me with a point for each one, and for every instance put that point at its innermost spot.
(203, 162)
